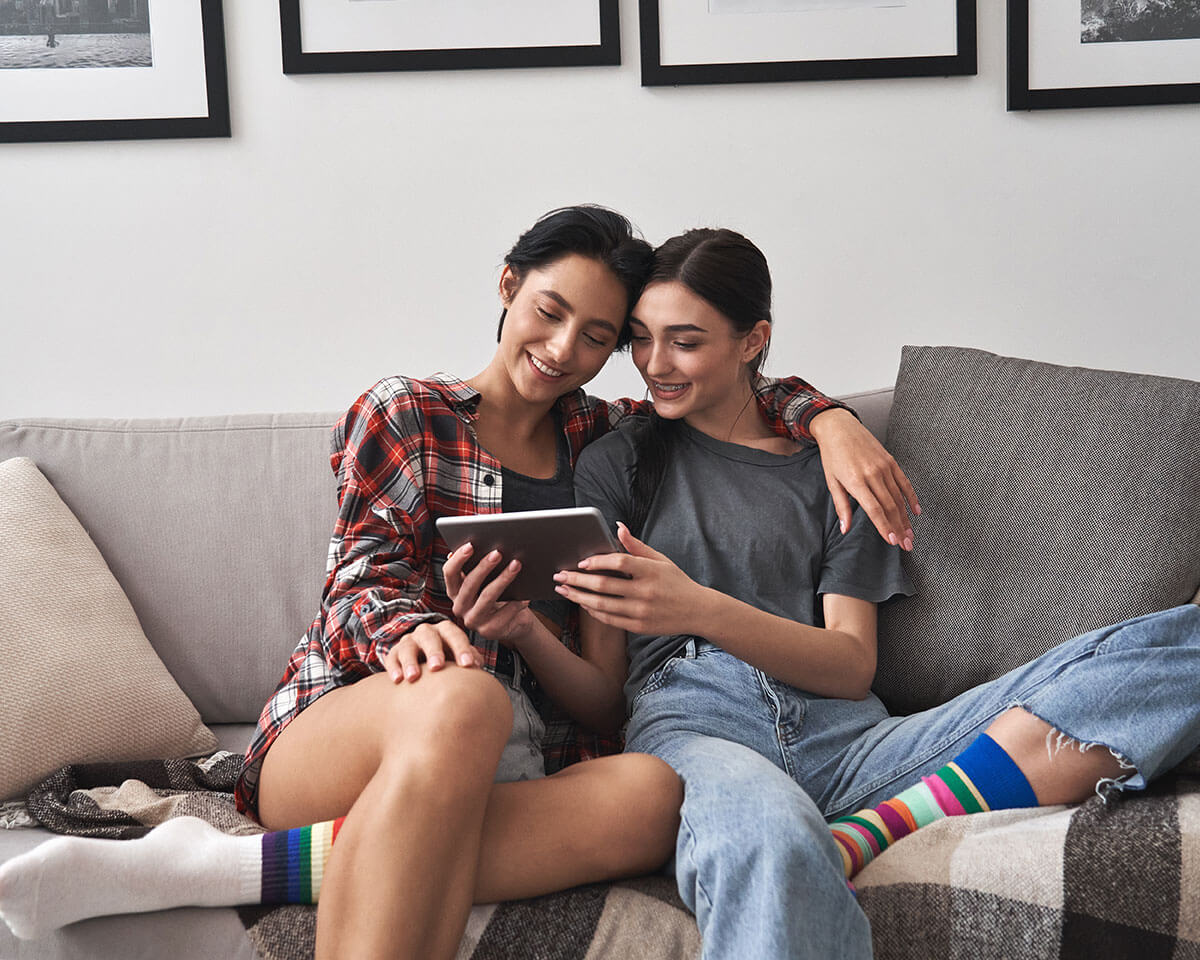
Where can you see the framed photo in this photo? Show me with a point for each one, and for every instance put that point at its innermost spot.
(1102, 53)
(345, 36)
(739, 41)
(112, 70)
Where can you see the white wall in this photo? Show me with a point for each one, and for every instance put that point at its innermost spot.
(354, 225)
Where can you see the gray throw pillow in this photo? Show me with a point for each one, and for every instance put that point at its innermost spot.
(1056, 500)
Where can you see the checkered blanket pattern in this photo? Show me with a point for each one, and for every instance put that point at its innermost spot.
(1119, 880)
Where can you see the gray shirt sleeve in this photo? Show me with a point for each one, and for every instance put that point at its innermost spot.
(604, 477)
(861, 563)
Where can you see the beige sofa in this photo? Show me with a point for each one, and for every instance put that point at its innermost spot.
(216, 529)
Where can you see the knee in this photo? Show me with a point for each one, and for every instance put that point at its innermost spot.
(459, 717)
(736, 835)
(643, 808)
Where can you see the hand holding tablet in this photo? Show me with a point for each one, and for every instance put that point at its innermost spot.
(544, 541)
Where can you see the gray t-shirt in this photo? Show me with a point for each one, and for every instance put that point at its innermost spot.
(757, 526)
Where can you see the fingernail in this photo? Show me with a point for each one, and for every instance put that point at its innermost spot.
(908, 544)
(411, 673)
(467, 548)
(560, 577)
(465, 659)
(583, 564)
(395, 676)
(515, 565)
(436, 663)
(845, 526)
(917, 509)
(892, 540)
(561, 589)
(908, 534)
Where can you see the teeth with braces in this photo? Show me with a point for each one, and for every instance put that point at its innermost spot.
(670, 388)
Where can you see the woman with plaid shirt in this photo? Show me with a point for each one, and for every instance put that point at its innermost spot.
(384, 732)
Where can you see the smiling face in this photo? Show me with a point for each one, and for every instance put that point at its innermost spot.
(562, 325)
(692, 358)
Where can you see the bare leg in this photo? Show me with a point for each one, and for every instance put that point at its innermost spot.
(599, 820)
(1067, 775)
(594, 821)
(411, 767)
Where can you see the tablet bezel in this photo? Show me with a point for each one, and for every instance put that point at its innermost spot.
(545, 541)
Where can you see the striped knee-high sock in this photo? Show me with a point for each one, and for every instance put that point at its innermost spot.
(982, 777)
(293, 862)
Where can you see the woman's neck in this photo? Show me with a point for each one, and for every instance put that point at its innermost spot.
(502, 408)
(740, 420)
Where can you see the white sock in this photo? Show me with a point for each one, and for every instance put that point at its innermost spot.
(183, 862)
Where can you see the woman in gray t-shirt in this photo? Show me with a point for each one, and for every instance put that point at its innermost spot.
(750, 614)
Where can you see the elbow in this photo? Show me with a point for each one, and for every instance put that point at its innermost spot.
(863, 676)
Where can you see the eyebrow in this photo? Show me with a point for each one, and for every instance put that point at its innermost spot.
(673, 327)
(566, 305)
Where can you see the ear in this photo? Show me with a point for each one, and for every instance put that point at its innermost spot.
(755, 341)
(509, 285)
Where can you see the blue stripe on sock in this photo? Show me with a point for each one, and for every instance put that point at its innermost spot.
(995, 775)
(293, 866)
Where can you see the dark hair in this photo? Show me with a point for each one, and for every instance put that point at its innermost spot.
(590, 231)
(729, 272)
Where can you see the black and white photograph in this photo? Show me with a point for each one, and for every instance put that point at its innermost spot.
(75, 34)
(746, 41)
(1102, 53)
(112, 70)
(1133, 21)
(352, 36)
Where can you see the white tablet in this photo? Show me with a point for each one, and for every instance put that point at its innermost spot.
(545, 541)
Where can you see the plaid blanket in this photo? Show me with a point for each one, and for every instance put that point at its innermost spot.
(1119, 880)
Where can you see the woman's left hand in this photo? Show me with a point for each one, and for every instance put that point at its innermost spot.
(649, 593)
(477, 603)
(857, 465)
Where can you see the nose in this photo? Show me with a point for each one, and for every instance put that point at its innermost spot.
(657, 364)
(560, 346)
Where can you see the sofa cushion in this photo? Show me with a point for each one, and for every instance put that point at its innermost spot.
(1056, 500)
(82, 681)
(216, 527)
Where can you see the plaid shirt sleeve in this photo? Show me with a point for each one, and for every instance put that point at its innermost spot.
(378, 576)
(789, 405)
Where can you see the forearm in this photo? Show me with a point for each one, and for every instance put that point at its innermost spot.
(828, 662)
(579, 687)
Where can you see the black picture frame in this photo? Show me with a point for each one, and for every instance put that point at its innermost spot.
(296, 61)
(1021, 97)
(654, 73)
(215, 124)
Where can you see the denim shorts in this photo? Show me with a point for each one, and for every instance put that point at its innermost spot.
(522, 758)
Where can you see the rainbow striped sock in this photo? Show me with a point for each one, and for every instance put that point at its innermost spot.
(293, 862)
(982, 777)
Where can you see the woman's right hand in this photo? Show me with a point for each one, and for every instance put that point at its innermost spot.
(477, 603)
(434, 643)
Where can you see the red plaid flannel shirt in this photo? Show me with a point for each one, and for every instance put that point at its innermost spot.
(405, 454)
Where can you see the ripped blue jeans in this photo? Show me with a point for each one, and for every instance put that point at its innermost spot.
(765, 765)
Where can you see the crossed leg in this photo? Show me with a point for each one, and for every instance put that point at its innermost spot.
(426, 831)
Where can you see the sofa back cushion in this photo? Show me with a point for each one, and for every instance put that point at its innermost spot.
(216, 528)
(1056, 500)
